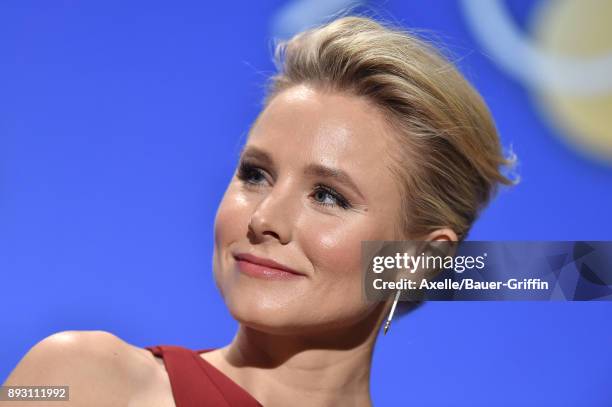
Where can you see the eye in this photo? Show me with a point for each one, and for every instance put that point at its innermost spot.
(251, 174)
(327, 196)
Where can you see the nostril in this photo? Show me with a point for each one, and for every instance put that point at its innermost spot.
(273, 234)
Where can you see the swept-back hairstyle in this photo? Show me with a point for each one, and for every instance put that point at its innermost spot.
(448, 155)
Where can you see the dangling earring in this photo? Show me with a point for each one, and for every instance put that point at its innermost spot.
(390, 317)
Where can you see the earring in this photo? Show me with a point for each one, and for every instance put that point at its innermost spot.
(390, 317)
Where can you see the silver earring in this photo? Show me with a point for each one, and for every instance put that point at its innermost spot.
(390, 317)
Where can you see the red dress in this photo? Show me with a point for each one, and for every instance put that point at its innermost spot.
(197, 383)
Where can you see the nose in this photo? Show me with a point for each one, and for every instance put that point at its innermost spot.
(273, 216)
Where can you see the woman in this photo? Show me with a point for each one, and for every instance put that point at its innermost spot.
(367, 134)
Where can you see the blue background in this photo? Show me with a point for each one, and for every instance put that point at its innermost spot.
(120, 125)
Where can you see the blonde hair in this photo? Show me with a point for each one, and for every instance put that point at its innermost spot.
(448, 156)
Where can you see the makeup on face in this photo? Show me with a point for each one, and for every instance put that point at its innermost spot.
(312, 182)
(261, 267)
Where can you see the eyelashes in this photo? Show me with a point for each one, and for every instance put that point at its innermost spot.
(247, 173)
(253, 176)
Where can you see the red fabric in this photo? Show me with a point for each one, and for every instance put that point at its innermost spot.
(197, 383)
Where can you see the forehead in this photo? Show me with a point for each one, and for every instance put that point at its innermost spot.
(329, 128)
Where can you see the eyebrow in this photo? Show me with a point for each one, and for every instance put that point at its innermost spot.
(316, 170)
(257, 154)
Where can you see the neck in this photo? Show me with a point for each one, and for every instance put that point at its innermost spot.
(327, 369)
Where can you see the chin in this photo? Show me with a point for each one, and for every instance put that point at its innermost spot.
(266, 315)
(274, 317)
(271, 306)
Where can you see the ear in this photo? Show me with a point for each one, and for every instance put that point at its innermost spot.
(444, 234)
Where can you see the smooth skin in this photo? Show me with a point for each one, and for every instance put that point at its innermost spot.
(314, 180)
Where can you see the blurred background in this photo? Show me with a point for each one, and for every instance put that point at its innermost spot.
(120, 126)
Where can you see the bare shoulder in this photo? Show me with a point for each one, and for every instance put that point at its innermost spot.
(100, 368)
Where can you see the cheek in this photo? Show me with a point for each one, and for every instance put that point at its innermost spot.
(334, 248)
(232, 218)
(231, 224)
(337, 249)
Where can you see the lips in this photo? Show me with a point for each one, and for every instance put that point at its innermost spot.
(264, 268)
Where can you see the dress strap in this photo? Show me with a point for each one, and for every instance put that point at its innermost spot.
(197, 383)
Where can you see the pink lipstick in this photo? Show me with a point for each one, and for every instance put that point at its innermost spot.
(260, 267)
